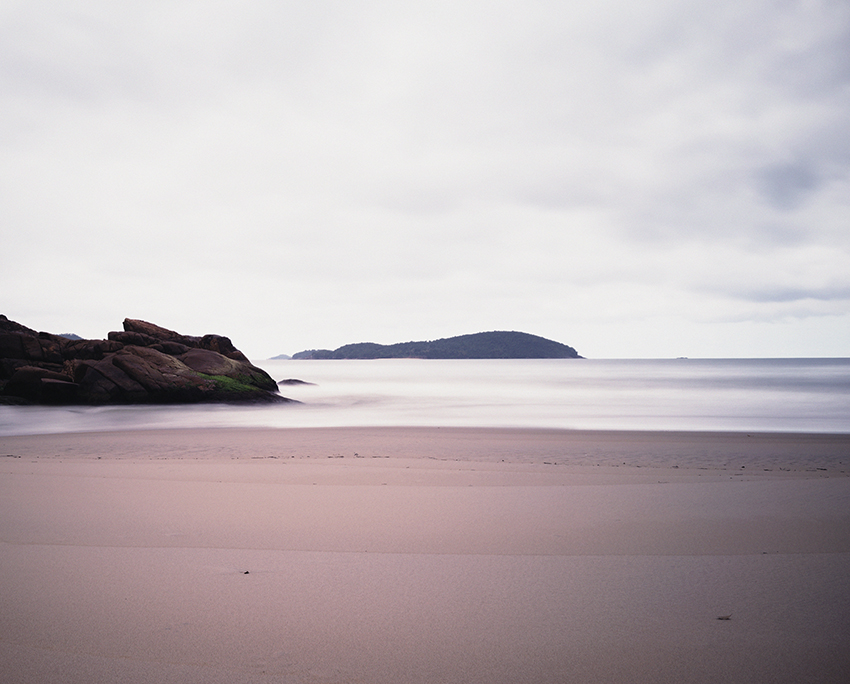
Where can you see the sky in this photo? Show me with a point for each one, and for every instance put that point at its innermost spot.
(637, 180)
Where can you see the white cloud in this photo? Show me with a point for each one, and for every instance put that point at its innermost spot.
(309, 174)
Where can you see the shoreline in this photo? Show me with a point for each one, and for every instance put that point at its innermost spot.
(777, 452)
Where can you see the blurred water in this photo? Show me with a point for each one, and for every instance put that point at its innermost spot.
(774, 395)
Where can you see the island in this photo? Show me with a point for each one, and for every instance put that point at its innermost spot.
(143, 364)
(484, 345)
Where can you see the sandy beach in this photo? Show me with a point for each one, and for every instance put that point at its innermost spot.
(380, 555)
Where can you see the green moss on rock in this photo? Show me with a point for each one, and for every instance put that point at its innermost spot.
(225, 383)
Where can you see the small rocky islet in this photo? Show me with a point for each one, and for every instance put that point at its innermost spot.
(142, 364)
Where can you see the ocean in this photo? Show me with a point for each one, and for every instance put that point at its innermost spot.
(764, 395)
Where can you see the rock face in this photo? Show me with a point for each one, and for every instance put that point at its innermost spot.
(143, 364)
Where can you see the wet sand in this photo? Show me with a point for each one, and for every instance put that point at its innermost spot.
(424, 555)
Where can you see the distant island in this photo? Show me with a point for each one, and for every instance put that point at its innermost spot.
(485, 345)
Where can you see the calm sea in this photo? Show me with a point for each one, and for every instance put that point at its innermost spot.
(774, 395)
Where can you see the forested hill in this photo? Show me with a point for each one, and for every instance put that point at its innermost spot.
(486, 345)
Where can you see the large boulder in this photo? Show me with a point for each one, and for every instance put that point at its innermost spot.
(144, 363)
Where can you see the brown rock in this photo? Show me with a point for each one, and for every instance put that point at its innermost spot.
(159, 373)
(35, 347)
(136, 326)
(142, 340)
(222, 345)
(130, 337)
(143, 364)
(90, 349)
(172, 348)
(101, 382)
(40, 385)
(214, 363)
(12, 345)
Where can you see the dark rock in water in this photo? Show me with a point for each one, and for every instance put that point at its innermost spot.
(294, 381)
(144, 363)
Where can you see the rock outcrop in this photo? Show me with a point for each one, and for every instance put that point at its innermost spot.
(143, 364)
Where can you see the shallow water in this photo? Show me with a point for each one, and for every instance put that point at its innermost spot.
(773, 395)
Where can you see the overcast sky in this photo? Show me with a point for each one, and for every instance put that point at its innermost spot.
(635, 179)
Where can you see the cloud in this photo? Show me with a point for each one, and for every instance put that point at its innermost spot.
(444, 167)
